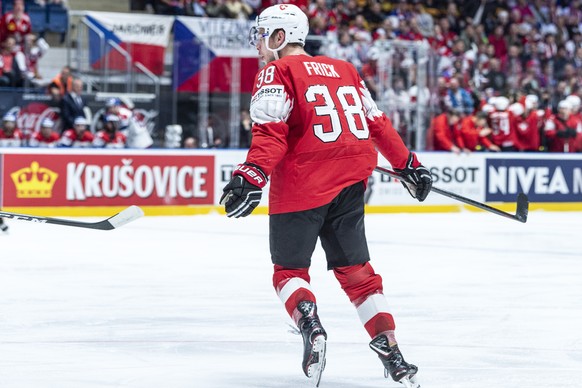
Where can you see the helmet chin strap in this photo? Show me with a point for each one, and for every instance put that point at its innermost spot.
(275, 51)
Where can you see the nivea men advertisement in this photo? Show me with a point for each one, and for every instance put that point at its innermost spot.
(543, 180)
(489, 177)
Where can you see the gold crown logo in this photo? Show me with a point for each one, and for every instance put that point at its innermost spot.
(34, 181)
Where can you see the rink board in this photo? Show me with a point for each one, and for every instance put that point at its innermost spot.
(187, 182)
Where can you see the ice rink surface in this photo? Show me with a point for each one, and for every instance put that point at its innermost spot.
(186, 302)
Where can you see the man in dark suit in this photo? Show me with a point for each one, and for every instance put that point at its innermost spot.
(72, 105)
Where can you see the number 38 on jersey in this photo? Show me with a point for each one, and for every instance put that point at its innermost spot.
(329, 110)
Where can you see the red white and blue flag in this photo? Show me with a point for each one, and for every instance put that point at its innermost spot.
(144, 37)
(223, 40)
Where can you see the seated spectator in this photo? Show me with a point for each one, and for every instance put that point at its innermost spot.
(46, 137)
(458, 98)
(496, 79)
(216, 9)
(15, 23)
(109, 136)
(370, 71)
(169, 7)
(73, 104)
(12, 64)
(194, 8)
(10, 136)
(238, 9)
(345, 50)
(79, 136)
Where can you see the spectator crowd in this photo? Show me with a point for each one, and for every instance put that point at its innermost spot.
(508, 74)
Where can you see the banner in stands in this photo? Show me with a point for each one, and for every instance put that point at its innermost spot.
(144, 37)
(223, 39)
(89, 179)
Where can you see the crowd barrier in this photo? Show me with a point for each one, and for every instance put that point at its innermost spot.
(69, 182)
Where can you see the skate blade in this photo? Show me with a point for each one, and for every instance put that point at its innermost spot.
(314, 371)
(410, 382)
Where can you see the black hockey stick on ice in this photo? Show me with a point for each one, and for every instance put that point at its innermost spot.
(522, 201)
(125, 216)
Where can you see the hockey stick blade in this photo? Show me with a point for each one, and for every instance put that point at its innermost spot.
(125, 216)
(522, 201)
(522, 208)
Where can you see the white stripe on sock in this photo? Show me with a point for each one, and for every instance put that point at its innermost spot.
(372, 306)
(291, 286)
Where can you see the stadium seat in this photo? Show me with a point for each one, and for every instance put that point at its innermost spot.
(58, 19)
(38, 18)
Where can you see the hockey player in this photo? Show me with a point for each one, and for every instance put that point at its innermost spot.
(45, 137)
(79, 136)
(446, 132)
(10, 136)
(475, 132)
(560, 129)
(315, 133)
(109, 136)
(576, 115)
(500, 119)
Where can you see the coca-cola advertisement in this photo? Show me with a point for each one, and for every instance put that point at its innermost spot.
(107, 180)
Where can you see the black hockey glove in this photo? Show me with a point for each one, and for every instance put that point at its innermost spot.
(243, 193)
(415, 178)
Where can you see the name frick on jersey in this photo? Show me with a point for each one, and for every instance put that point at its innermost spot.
(322, 69)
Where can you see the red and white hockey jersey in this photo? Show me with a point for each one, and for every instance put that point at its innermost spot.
(316, 129)
(70, 138)
(38, 140)
(104, 139)
(502, 135)
(15, 139)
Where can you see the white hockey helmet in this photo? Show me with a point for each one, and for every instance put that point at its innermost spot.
(487, 108)
(516, 109)
(565, 104)
(501, 103)
(574, 101)
(531, 101)
(287, 17)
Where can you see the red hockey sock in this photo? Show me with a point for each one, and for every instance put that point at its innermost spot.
(364, 288)
(292, 286)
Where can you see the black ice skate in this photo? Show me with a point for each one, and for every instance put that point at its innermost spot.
(394, 363)
(314, 341)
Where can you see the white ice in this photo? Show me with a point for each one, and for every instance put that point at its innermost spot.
(186, 302)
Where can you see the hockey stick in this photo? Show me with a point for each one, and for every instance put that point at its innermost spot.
(125, 216)
(522, 201)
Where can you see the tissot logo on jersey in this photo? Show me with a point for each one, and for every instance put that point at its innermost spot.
(271, 92)
(541, 180)
(321, 69)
